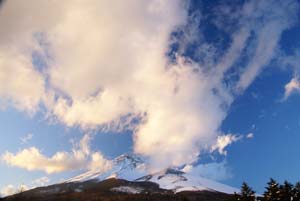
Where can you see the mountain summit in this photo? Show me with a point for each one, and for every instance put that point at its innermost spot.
(125, 166)
(131, 167)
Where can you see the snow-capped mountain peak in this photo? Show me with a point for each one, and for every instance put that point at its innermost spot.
(131, 167)
(125, 166)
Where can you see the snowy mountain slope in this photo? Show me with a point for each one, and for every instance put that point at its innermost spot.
(131, 167)
(178, 181)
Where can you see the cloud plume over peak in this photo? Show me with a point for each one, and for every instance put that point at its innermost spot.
(104, 64)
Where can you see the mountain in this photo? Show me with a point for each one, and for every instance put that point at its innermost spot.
(113, 190)
(131, 167)
(127, 181)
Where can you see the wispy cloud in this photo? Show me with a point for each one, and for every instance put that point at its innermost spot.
(26, 138)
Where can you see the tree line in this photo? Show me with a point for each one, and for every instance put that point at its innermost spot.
(273, 192)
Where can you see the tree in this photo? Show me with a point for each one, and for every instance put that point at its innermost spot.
(286, 191)
(246, 194)
(296, 192)
(234, 197)
(184, 198)
(272, 191)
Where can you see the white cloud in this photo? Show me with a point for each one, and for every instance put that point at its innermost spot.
(11, 189)
(292, 86)
(7, 190)
(106, 61)
(215, 171)
(26, 138)
(42, 181)
(32, 159)
(99, 163)
(250, 135)
(223, 141)
(16, 82)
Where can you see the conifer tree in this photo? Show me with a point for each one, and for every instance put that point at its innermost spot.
(286, 191)
(247, 194)
(296, 192)
(272, 191)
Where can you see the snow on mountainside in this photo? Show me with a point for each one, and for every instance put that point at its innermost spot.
(131, 167)
(126, 166)
(127, 189)
(178, 181)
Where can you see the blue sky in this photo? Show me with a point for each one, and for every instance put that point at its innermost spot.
(180, 83)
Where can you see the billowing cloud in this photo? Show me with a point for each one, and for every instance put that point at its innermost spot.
(79, 159)
(20, 85)
(292, 86)
(98, 64)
